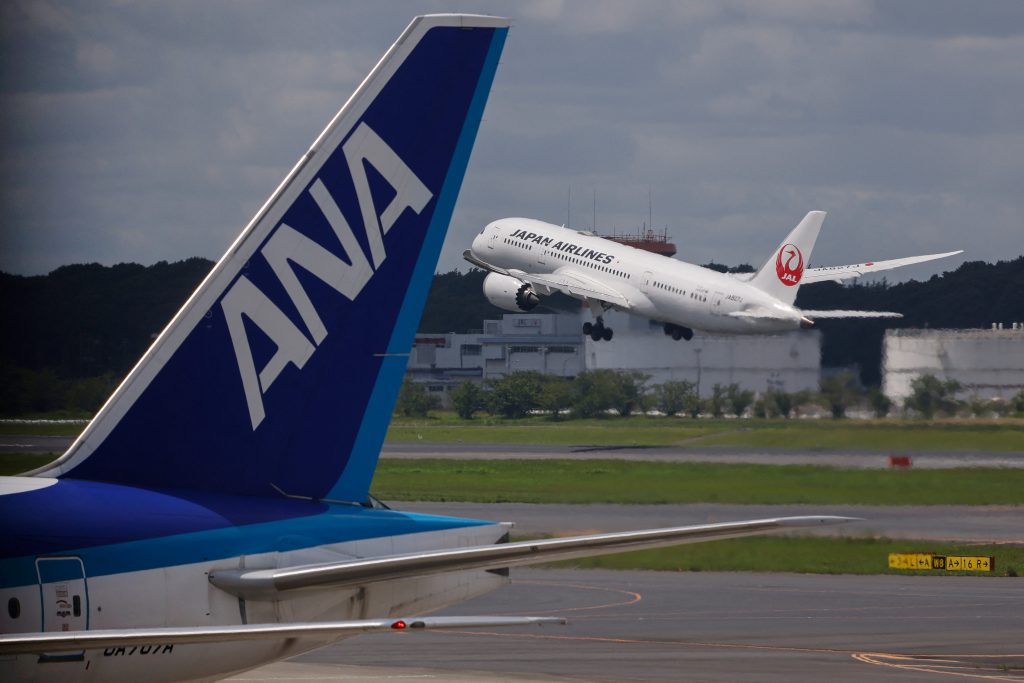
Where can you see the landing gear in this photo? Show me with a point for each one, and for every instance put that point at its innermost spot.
(597, 331)
(678, 332)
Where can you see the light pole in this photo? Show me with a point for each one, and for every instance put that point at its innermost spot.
(697, 351)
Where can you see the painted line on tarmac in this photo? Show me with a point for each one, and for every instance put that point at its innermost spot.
(947, 665)
(943, 664)
(633, 596)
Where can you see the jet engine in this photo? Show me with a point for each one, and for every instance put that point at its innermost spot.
(510, 294)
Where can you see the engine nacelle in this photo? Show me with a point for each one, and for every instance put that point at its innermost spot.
(510, 294)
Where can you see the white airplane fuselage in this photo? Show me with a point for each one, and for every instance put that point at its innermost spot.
(131, 584)
(657, 287)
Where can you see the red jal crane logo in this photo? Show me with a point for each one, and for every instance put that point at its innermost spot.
(789, 265)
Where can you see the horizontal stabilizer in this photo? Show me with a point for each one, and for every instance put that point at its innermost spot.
(838, 273)
(268, 583)
(756, 314)
(329, 631)
(851, 314)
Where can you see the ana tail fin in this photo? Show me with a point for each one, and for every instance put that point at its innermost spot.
(780, 276)
(281, 371)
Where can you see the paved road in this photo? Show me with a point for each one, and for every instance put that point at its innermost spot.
(988, 523)
(710, 626)
(849, 459)
(35, 444)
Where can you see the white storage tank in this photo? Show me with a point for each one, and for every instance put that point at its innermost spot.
(989, 363)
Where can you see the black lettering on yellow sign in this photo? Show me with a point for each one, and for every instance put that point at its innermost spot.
(969, 563)
(910, 560)
(950, 563)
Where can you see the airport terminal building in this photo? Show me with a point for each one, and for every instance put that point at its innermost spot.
(554, 344)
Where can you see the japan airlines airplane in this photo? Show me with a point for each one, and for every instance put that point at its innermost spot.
(216, 515)
(528, 259)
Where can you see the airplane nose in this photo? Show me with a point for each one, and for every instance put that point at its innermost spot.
(478, 242)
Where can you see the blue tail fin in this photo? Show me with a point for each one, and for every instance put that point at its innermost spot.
(281, 371)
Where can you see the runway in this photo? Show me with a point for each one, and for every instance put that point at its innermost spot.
(662, 626)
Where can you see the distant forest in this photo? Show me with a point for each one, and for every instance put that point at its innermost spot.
(70, 336)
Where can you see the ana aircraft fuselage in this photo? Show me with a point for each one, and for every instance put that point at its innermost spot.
(148, 562)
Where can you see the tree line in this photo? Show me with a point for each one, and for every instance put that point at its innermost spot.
(71, 335)
(604, 393)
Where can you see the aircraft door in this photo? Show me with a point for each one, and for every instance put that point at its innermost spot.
(647, 281)
(64, 594)
(715, 302)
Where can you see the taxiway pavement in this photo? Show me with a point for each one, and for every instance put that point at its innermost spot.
(706, 626)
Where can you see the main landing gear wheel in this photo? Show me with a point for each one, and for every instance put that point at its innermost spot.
(678, 332)
(597, 331)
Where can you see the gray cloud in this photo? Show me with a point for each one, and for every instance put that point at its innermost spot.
(147, 131)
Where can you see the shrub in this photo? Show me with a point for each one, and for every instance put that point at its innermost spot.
(838, 393)
(739, 400)
(930, 395)
(595, 392)
(515, 395)
(673, 397)
(414, 400)
(467, 398)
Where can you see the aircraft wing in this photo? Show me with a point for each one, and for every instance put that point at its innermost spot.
(564, 280)
(328, 631)
(851, 314)
(573, 284)
(810, 316)
(269, 583)
(838, 273)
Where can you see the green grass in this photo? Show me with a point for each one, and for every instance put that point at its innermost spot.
(617, 481)
(40, 429)
(883, 435)
(825, 434)
(814, 555)
(16, 463)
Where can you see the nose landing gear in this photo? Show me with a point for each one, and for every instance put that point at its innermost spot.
(597, 331)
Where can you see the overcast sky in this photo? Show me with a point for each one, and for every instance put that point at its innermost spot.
(146, 131)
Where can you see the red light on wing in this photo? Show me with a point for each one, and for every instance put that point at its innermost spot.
(399, 625)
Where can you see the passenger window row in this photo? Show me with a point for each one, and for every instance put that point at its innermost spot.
(585, 262)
